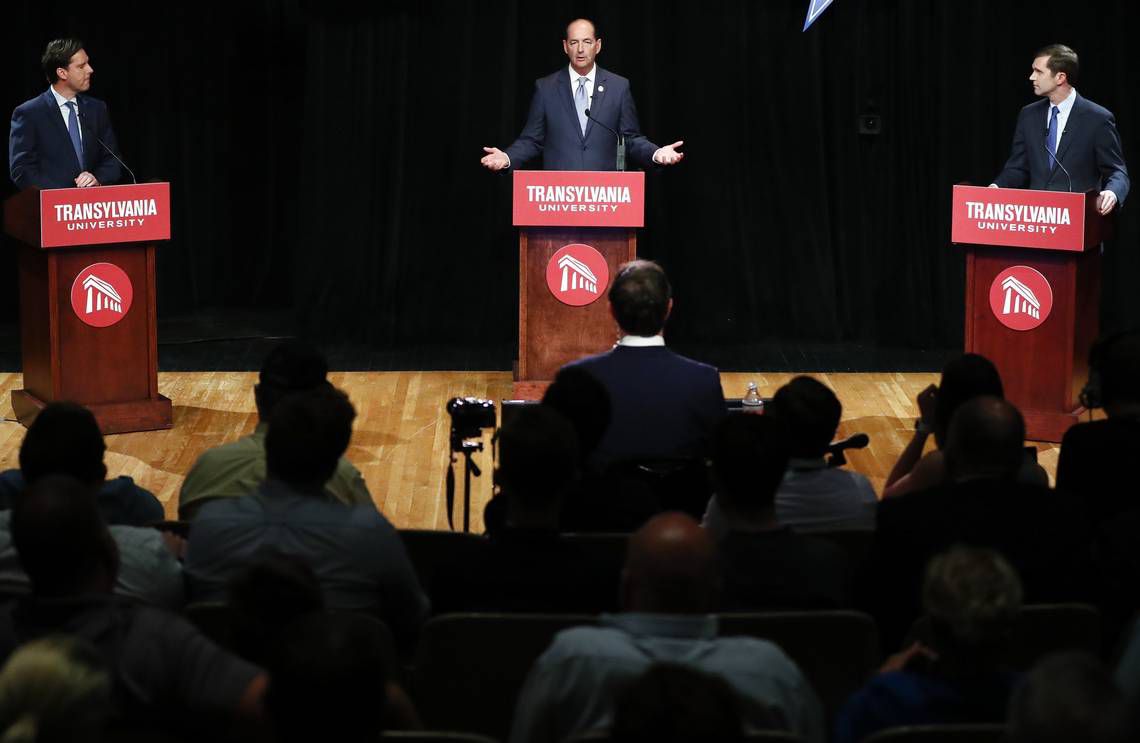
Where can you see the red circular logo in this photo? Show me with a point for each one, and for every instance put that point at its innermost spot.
(577, 275)
(101, 295)
(1021, 298)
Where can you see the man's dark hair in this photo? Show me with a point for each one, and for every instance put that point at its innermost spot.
(582, 400)
(671, 702)
(1070, 697)
(328, 679)
(972, 597)
(986, 439)
(810, 413)
(60, 537)
(750, 456)
(538, 456)
(58, 53)
(265, 597)
(64, 439)
(308, 433)
(1061, 59)
(966, 377)
(639, 297)
(1118, 366)
(293, 366)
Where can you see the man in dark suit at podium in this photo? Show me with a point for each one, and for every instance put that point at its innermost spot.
(663, 404)
(1065, 132)
(558, 127)
(63, 138)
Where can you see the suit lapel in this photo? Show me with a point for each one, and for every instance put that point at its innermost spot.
(1072, 127)
(55, 123)
(597, 102)
(567, 99)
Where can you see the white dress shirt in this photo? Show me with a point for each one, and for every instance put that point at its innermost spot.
(1064, 108)
(65, 111)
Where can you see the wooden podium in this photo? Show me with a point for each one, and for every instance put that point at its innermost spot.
(87, 301)
(563, 313)
(1032, 294)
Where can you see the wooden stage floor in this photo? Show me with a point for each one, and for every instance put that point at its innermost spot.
(400, 439)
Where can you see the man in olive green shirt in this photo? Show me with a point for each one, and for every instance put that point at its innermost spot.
(238, 468)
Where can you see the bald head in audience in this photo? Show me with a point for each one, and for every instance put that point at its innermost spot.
(986, 439)
(670, 567)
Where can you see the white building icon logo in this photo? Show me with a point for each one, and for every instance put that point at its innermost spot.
(101, 296)
(1019, 299)
(577, 275)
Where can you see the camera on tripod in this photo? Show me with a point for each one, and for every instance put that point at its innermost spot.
(469, 417)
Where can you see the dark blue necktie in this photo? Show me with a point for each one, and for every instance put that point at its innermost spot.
(73, 130)
(1051, 138)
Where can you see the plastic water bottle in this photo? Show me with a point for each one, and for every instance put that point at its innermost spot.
(751, 401)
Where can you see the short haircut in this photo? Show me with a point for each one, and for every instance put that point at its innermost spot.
(60, 537)
(265, 596)
(566, 31)
(328, 679)
(582, 400)
(972, 596)
(292, 366)
(810, 413)
(538, 456)
(55, 688)
(308, 433)
(1061, 59)
(58, 53)
(750, 457)
(1119, 368)
(986, 439)
(1067, 697)
(64, 439)
(639, 296)
(672, 702)
(963, 378)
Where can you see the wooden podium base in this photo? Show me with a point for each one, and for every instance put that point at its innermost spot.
(118, 417)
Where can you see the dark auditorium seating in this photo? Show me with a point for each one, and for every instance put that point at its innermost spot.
(940, 734)
(761, 736)
(607, 550)
(429, 549)
(836, 650)
(432, 736)
(1041, 629)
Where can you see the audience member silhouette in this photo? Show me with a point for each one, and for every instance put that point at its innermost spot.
(167, 674)
(64, 439)
(238, 468)
(669, 585)
(355, 552)
(265, 597)
(1071, 697)
(766, 565)
(972, 597)
(54, 690)
(525, 565)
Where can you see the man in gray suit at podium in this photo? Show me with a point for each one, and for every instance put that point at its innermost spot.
(575, 116)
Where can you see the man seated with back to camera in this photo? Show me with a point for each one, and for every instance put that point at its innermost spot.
(525, 565)
(764, 564)
(982, 503)
(812, 497)
(355, 552)
(238, 468)
(664, 406)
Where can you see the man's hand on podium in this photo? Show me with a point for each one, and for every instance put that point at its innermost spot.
(495, 159)
(1105, 202)
(85, 179)
(668, 154)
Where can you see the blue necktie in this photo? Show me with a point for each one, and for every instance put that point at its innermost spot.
(1051, 138)
(581, 102)
(73, 130)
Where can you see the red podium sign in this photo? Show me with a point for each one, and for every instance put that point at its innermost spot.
(1052, 220)
(107, 214)
(588, 198)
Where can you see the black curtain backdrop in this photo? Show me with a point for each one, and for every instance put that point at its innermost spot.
(325, 157)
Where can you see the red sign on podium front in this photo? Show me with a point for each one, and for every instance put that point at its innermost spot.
(1053, 220)
(585, 198)
(104, 214)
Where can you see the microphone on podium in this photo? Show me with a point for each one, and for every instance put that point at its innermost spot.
(620, 163)
(91, 130)
(1049, 152)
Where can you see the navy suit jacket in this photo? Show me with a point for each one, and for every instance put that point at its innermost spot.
(1090, 150)
(663, 405)
(552, 129)
(39, 146)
